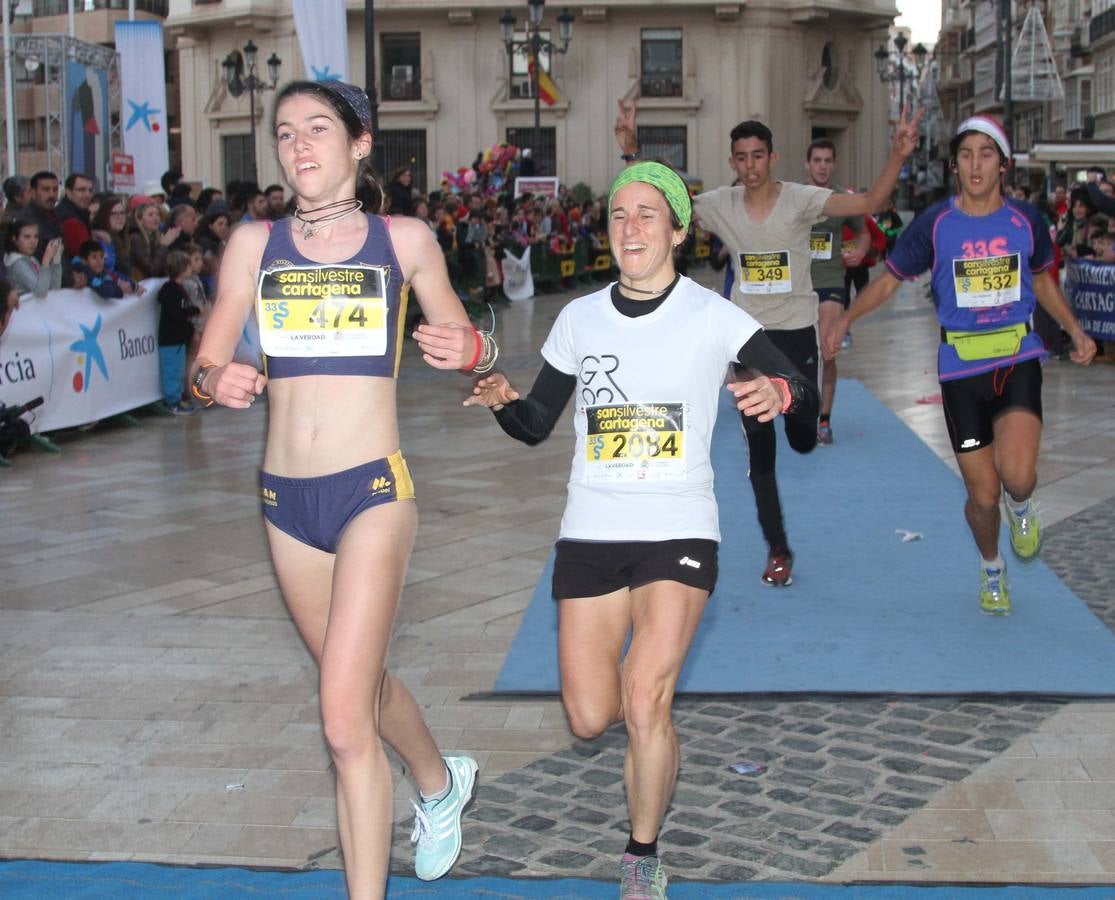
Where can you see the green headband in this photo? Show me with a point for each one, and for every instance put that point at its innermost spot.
(662, 177)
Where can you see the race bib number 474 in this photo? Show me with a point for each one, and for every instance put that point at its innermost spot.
(328, 310)
(765, 273)
(635, 442)
(987, 280)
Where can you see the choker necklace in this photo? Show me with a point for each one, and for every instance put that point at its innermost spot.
(340, 209)
(626, 287)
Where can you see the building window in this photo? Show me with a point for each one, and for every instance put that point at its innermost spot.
(29, 133)
(1079, 103)
(404, 148)
(521, 86)
(664, 142)
(236, 152)
(829, 74)
(402, 66)
(543, 147)
(1105, 84)
(661, 72)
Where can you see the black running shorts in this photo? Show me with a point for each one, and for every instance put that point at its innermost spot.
(595, 568)
(972, 404)
(835, 294)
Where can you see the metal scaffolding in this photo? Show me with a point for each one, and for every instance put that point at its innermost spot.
(51, 52)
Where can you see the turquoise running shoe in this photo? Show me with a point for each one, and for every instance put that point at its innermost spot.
(994, 598)
(1025, 530)
(437, 823)
(642, 878)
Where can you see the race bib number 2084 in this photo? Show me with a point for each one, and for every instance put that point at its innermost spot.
(635, 442)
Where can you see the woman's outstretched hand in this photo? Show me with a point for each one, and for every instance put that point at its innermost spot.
(493, 391)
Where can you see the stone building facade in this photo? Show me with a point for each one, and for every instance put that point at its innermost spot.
(448, 88)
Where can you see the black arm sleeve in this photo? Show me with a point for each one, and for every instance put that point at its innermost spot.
(532, 418)
(1100, 200)
(761, 356)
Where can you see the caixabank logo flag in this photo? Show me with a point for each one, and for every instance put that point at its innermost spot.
(89, 353)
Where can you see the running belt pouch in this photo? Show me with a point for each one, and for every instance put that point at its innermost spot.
(974, 345)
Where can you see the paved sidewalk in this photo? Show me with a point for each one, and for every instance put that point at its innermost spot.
(156, 703)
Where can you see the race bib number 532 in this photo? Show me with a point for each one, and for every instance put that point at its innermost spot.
(635, 442)
(327, 310)
(987, 280)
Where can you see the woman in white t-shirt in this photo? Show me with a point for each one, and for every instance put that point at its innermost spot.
(646, 358)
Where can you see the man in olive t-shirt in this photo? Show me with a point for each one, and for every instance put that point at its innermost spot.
(830, 257)
(766, 226)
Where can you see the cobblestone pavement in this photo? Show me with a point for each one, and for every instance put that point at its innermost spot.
(840, 772)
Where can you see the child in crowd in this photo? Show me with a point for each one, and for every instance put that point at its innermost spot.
(90, 261)
(26, 274)
(194, 284)
(1103, 246)
(176, 331)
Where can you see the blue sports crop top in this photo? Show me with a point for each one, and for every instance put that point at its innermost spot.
(344, 318)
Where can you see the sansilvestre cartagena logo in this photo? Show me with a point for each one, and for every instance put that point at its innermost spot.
(88, 352)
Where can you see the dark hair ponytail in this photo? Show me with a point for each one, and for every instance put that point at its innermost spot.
(369, 191)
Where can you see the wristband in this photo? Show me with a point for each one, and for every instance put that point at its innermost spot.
(787, 395)
(478, 353)
(629, 157)
(198, 379)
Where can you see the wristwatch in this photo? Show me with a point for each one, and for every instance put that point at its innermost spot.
(199, 380)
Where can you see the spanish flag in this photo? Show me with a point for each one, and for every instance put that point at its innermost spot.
(547, 90)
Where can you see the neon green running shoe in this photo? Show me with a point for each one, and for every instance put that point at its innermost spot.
(1025, 530)
(994, 598)
(643, 878)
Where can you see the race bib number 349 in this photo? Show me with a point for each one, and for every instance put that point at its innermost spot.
(635, 442)
(329, 310)
(765, 273)
(987, 280)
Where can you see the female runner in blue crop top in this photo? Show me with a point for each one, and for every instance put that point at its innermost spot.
(326, 287)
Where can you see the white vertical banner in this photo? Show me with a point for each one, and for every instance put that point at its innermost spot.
(323, 38)
(143, 97)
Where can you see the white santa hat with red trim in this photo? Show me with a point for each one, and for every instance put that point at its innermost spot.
(990, 127)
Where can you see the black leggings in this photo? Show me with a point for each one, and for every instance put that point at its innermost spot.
(800, 347)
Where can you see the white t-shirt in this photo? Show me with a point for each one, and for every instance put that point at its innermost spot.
(646, 399)
(770, 259)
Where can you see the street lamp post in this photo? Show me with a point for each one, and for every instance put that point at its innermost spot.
(892, 68)
(238, 83)
(532, 46)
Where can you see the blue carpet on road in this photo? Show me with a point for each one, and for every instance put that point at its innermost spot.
(37, 880)
(867, 612)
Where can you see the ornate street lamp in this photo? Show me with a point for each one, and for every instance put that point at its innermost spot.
(532, 46)
(240, 77)
(893, 68)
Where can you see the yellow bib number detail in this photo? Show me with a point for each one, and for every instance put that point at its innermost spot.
(765, 273)
(635, 442)
(987, 281)
(323, 311)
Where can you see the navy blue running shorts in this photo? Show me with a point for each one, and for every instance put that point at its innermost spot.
(316, 511)
(836, 294)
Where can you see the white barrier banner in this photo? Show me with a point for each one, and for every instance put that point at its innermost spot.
(87, 357)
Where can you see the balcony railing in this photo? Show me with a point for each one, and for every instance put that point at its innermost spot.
(61, 7)
(1102, 25)
(953, 72)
